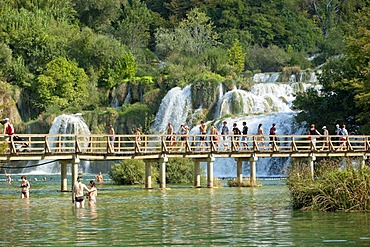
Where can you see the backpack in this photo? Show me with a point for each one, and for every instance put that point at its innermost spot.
(10, 129)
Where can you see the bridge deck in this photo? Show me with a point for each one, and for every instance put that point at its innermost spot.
(99, 147)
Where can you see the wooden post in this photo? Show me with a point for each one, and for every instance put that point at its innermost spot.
(312, 159)
(148, 175)
(162, 172)
(239, 170)
(63, 175)
(196, 173)
(252, 164)
(210, 161)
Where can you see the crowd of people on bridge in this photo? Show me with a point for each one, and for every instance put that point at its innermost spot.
(241, 137)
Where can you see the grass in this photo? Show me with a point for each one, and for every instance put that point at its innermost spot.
(333, 189)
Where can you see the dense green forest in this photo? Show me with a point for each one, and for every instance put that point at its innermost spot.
(67, 56)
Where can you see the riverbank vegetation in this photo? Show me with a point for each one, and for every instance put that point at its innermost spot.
(338, 185)
(245, 183)
(64, 56)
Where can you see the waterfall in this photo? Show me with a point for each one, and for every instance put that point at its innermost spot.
(266, 77)
(63, 124)
(266, 167)
(265, 103)
(263, 98)
(175, 108)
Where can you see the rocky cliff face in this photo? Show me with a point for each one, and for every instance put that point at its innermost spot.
(9, 96)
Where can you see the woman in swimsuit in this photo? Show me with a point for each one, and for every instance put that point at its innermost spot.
(25, 188)
(92, 194)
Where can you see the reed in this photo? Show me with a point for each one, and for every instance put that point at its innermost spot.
(346, 188)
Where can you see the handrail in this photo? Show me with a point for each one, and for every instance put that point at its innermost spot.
(180, 144)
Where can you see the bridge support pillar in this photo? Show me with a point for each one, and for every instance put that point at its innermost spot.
(239, 170)
(197, 174)
(75, 163)
(210, 161)
(252, 164)
(63, 177)
(312, 160)
(162, 172)
(363, 162)
(148, 175)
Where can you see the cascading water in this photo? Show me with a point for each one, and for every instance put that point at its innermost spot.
(266, 167)
(265, 103)
(63, 124)
(175, 108)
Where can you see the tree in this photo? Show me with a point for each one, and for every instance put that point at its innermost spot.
(61, 84)
(345, 94)
(133, 29)
(97, 14)
(192, 37)
(123, 70)
(236, 57)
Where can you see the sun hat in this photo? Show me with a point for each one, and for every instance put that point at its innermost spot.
(324, 127)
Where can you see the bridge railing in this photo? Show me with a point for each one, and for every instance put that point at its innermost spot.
(156, 144)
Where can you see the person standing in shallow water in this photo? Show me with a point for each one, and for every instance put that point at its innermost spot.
(92, 194)
(78, 197)
(25, 188)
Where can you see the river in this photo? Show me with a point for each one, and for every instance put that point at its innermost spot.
(181, 215)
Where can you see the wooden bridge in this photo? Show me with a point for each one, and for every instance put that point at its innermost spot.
(70, 149)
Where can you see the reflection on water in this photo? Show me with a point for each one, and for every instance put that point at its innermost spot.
(126, 216)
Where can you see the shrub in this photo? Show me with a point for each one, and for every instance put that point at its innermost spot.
(131, 172)
(180, 170)
(245, 183)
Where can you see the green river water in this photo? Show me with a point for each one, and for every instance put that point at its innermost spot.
(181, 215)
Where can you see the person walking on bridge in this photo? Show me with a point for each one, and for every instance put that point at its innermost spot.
(325, 143)
(312, 133)
(260, 136)
(203, 133)
(225, 132)
(170, 136)
(111, 136)
(237, 134)
(245, 135)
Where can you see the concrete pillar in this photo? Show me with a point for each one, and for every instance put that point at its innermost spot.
(75, 163)
(311, 160)
(63, 176)
(148, 175)
(210, 161)
(162, 172)
(196, 173)
(239, 170)
(363, 162)
(252, 175)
